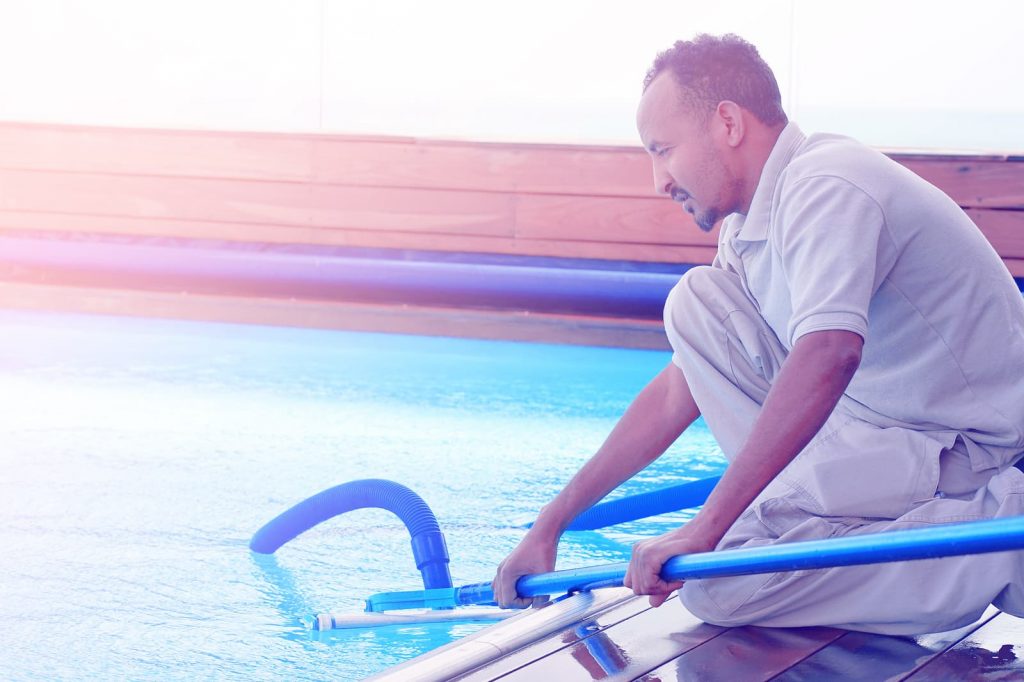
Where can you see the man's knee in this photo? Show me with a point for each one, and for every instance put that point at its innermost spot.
(699, 304)
(700, 604)
(703, 286)
(724, 601)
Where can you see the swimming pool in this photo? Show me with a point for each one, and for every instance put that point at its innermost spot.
(139, 456)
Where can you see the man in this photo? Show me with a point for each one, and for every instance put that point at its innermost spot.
(857, 349)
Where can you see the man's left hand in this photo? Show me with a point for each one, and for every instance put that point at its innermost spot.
(644, 572)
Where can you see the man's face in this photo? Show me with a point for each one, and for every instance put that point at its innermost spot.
(688, 167)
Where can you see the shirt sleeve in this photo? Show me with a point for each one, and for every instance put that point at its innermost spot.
(835, 251)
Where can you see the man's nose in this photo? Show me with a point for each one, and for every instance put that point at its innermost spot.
(662, 181)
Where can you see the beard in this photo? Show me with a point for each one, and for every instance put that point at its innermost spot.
(706, 220)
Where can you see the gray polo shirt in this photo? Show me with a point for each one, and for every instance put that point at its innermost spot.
(838, 236)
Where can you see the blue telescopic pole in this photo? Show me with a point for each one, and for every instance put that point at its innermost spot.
(975, 537)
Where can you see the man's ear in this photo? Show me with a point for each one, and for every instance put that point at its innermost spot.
(730, 122)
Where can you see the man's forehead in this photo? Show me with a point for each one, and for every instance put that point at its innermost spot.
(663, 91)
(661, 100)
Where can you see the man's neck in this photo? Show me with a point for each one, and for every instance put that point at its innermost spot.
(762, 142)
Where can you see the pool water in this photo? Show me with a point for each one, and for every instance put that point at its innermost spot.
(139, 456)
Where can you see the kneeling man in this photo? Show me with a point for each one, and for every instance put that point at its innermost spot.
(856, 348)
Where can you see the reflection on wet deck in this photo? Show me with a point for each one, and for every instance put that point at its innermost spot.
(628, 640)
(670, 644)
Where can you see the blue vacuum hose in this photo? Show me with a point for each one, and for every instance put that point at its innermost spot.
(428, 546)
(642, 505)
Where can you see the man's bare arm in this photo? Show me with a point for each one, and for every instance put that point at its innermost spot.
(653, 421)
(807, 389)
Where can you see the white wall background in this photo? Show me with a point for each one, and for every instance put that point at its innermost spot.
(916, 73)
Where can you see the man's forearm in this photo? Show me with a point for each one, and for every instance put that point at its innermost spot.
(653, 421)
(809, 385)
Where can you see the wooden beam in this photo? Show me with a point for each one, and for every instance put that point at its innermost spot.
(365, 161)
(175, 153)
(59, 224)
(286, 204)
(973, 184)
(1003, 229)
(608, 219)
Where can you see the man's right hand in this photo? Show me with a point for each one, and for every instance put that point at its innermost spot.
(532, 555)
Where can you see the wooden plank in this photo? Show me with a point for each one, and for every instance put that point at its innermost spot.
(156, 152)
(605, 171)
(415, 163)
(532, 169)
(566, 218)
(412, 210)
(153, 197)
(397, 319)
(995, 651)
(1015, 266)
(746, 653)
(866, 656)
(625, 650)
(40, 222)
(974, 183)
(332, 159)
(657, 221)
(1003, 229)
(241, 201)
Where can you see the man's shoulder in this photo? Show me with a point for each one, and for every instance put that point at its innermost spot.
(828, 155)
(843, 162)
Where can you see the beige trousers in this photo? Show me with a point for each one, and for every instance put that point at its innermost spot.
(854, 477)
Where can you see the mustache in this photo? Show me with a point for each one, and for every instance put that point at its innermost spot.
(678, 195)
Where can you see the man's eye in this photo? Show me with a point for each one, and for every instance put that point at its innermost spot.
(662, 151)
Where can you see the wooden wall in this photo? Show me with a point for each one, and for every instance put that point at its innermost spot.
(591, 202)
(555, 200)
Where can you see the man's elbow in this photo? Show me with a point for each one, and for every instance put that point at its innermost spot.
(839, 351)
(848, 360)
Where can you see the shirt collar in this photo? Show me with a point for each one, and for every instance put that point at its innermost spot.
(753, 227)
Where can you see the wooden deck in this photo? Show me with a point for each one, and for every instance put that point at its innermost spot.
(631, 641)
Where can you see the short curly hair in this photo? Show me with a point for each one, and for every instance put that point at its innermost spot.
(715, 68)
